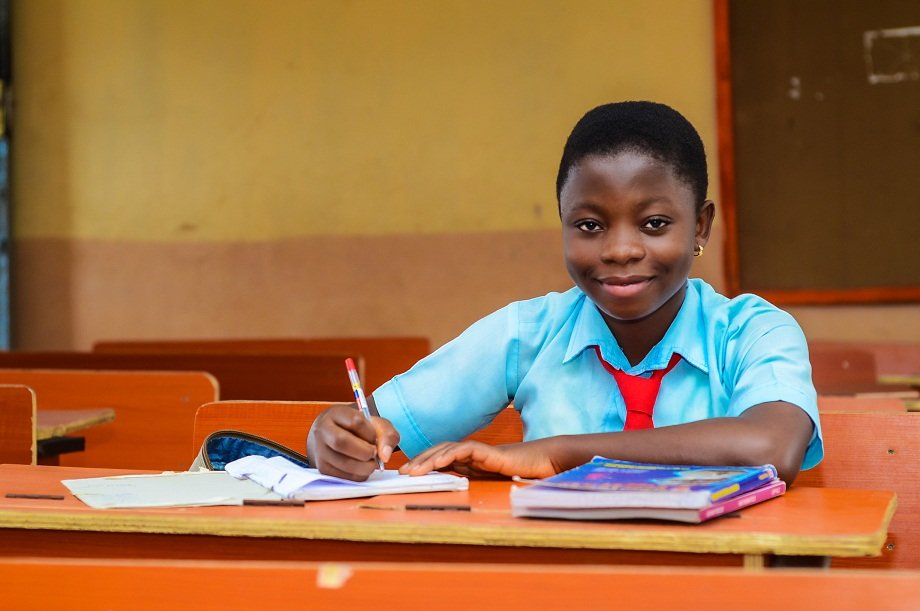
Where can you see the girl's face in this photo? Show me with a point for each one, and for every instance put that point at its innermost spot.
(629, 229)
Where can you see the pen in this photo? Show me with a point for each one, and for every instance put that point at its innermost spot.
(49, 497)
(415, 507)
(359, 396)
(272, 503)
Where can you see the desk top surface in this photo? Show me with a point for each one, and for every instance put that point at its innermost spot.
(58, 422)
(908, 379)
(805, 521)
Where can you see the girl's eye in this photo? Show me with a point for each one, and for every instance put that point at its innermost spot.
(656, 224)
(588, 226)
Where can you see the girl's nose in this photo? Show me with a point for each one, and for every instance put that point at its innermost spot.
(622, 247)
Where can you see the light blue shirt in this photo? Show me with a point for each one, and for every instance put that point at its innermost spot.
(538, 354)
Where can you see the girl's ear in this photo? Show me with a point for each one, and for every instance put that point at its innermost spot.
(704, 220)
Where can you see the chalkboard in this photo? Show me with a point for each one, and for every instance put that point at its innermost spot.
(825, 115)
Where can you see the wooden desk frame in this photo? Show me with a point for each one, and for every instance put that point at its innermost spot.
(805, 522)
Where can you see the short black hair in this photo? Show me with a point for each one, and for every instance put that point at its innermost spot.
(649, 128)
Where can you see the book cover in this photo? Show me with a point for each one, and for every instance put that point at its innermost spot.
(606, 482)
(690, 515)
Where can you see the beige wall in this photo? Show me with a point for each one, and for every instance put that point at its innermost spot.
(244, 168)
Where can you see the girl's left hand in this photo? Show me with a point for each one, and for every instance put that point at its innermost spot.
(474, 458)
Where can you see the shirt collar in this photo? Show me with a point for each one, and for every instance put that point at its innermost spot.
(682, 337)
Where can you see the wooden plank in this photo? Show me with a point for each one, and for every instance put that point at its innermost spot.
(848, 369)
(879, 451)
(384, 356)
(851, 403)
(283, 377)
(17, 425)
(58, 422)
(295, 585)
(892, 359)
(154, 412)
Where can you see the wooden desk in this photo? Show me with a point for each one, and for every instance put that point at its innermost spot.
(805, 522)
(912, 380)
(53, 428)
(42, 584)
(156, 412)
(60, 422)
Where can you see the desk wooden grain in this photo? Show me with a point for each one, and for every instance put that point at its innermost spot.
(229, 586)
(805, 522)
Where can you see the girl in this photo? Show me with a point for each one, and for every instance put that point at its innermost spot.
(636, 362)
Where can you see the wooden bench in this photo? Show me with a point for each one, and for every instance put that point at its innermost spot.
(891, 358)
(154, 412)
(17, 424)
(239, 376)
(384, 357)
(288, 422)
(878, 451)
(155, 585)
(851, 403)
(285, 422)
(848, 369)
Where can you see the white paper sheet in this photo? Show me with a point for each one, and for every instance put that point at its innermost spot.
(182, 489)
(297, 483)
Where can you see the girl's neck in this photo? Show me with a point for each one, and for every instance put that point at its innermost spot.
(637, 337)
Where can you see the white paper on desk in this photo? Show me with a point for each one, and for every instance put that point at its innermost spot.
(297, 483)
(182, 489)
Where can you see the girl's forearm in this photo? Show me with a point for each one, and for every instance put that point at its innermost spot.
(776, 433)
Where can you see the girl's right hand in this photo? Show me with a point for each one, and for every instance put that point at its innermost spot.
(343, 443)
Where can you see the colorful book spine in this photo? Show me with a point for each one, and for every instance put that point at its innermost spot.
(736, 503)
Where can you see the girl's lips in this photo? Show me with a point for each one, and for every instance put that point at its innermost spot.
(627, 287)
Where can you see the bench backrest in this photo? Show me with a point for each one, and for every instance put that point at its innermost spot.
(891, 358)
(384, 356)
(878, 451)
(17, 424)
(280, 377)
(154, 412)
(288, 422)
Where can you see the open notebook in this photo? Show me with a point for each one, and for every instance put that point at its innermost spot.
(294, 482)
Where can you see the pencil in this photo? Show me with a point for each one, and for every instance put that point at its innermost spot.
(359, 396)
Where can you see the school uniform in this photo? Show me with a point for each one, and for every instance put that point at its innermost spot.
(540, 354)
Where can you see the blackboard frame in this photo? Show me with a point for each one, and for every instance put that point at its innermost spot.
(729, 197)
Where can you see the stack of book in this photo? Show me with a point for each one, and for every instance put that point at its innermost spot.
(607, 489)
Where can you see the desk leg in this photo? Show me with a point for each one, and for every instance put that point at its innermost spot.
(49, 450)
(753, 562)
(797, 562)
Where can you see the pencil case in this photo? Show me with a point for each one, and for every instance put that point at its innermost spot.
(221, 447)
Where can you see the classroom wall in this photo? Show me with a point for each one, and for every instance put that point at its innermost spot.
(243, 168)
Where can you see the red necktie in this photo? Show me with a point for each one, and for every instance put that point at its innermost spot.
(639, 393)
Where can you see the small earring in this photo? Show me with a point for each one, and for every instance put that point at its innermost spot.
(697, 251)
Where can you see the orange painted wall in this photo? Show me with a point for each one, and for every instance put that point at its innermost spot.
(242, 168)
